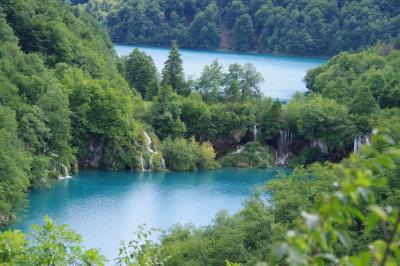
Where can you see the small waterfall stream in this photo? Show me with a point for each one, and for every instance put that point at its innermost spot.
(152, 151)
(142, 162)
(284, 146)
(64, 172)
(238, 150)
(361, 140)
(321, 144)
(149, 142)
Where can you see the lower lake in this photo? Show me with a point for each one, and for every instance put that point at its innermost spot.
(106, 207)
(283, 75)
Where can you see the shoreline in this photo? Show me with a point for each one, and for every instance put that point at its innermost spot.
(226, 51)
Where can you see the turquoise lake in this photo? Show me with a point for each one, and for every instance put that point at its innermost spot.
(106, 207)
(283, 75)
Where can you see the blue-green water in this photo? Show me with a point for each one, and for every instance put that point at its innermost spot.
(283, 75)
(106, 207)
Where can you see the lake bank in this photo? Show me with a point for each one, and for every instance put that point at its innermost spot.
(254, 52)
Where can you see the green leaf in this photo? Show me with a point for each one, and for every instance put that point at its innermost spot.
(380, 212)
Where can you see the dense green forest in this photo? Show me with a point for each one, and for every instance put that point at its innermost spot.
(68, 102)
(306, 27)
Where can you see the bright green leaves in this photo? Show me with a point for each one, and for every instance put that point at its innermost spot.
(185, 155)
(12, 245)
(354, 205)
(141, 251)
(49, 244)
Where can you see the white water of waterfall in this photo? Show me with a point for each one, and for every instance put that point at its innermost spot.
(239, 150)
(64, 172)
(142, 163)
(321, 144)
(148, 142)
(284, 146)
(153, 151)
(360, 141)
(255, 132)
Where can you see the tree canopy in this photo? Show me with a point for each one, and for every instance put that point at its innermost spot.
(307, 27)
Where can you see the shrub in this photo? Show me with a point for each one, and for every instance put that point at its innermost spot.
(186, 155)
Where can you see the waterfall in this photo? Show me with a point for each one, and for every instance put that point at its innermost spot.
(142, 163)
(152, 151)
(163, 162)
(239, 150)
(148, 142)
(321, 144)
(359, 141)
(284, 146)
(255, 131)
(64, 172)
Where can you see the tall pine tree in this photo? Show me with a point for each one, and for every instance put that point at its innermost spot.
(172, 73)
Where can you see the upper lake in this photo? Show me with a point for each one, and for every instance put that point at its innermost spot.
(106, 207)
(283, 75)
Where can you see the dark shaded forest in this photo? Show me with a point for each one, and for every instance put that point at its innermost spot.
(306, 27)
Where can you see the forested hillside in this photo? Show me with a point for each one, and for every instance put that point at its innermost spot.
(307, 27)
(62, 101)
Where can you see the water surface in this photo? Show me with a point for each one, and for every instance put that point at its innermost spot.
(106, 207)
(283, 75)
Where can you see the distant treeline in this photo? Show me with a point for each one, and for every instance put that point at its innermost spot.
(307, 27)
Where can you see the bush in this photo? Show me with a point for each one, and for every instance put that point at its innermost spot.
(49, 244)
(186, 155)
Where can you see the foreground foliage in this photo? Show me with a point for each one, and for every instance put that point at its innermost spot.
(365, 206)
(346, 214)
(47, 245)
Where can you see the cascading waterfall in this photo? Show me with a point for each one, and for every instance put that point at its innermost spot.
(149, 143)
(151, 149)
(321, 144)
(361, 140)
(284, 146)
(64, 172)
